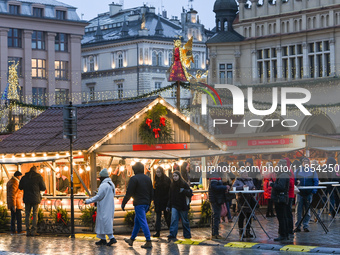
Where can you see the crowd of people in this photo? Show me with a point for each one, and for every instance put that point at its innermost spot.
(172, 197)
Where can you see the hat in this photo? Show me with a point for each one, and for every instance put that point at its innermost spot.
(104, 173)
(17, 173)
(282, 162)
(305, 159)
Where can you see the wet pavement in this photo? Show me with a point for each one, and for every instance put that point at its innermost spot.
(84, 244)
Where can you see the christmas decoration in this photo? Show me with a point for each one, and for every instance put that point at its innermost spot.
(157, 129)
(13, 82)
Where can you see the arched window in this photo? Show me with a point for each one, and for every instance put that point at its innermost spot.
(196, 62)
(91, 63)
(225, 25)
(270, 29)
(120, 60)
(314, 22)
(154, 58)
(327, 21)
(262, 30)
(245, 32)
(283, 28)
(287, 25)
(258, 31)
(170, 58)
(249, 31)
(274, 28)
(157, 58)
(309, 23)
(322, 21)
(160, 59)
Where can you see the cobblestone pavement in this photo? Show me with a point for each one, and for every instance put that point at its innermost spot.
(20, 244)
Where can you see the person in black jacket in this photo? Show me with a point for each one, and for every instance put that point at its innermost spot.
(179, 203)
(141, 190)
(280, 197)
(161, 187)
(32, 183)
(217, 198)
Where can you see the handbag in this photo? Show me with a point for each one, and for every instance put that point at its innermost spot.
(296, 190)
(224, 211)
(282, 198)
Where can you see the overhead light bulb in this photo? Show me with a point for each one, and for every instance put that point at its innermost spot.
(81, 170)
(65, 168)
(155, 166)
(41, 170)
(48, 169)
(57, 169)
(110, 135)
(109, 170)
(13, 156)
(67, 154)
(45, 154)
(121, 168)
(80, 153)
(132, 163)
(33, 154)
(87, 168)
(57, 155)
(23, 155)
(144, 161)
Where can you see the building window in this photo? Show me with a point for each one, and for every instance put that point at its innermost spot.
(92, 93)
(158, 85)
(196, 60)
(14, 37)
(61, 42)
(157, 58)
(38, 68)
(91, 63)
(170, 58)
(38, 12)
(38, 40)
(60, 14)
(61, 96)
(319, 59)
(61, 70)
(226, 73)
(38, 96)
(14, 9)
(15, 60)
(120, 90)
(120, 60)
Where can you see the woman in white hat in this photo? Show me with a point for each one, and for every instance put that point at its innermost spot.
(105, 209)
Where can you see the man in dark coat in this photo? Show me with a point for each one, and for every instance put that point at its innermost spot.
(32, 183)
(141, 190)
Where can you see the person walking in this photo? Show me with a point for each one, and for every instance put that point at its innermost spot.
(141, 190)
(217, 198)
(105, 208)
(304, 176)
(268, 177)
(161, 187)
(32, 184)
(240, 183)
(280, 197)
(179, 203)
(14, 202)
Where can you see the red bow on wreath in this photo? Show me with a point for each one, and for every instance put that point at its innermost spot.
(156, 130)
(148, 122)
(59, 217)
(94, 216)
(162, 121)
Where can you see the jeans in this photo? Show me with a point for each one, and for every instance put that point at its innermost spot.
(102, 236)
(302, 203)
(290, 222)
(140, 222)
(175, 215)
(281, 214)
(16, 215)
(215, 218)
(28, 208)
(228, 204)
(159, 219)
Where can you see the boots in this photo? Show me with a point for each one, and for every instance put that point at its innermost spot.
(129, 241)
(248, 235)
(281, 238)
(101, 242)
(112, 241)
(157, 234)
(147, 245)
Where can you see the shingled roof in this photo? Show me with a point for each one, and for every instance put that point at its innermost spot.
(95, 121)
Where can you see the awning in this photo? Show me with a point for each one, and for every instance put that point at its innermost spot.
(165, 154)
(263, 151)
(332, 148)
(19, 161)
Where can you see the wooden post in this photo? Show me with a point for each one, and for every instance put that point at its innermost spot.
(178, 95)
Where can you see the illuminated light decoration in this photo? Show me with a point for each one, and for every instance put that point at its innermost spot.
(57, 169)
(144, 161)
(67, 154)
(41, 170)
(167, 166)
(202, 195)
(1, 203)
(96, 146)
(57, 155)
(80, 153)
(132, 163)
(124, 127)
(3, 156)
(13, 157)
(180, 162)
(45, 154)
(73, 163)
(65, 168)
(0, 187)
(188, 119)
(110, 135)
(174, 110)
(150, 107)
(155, 166)
(137, 116)
(161, 101)
(49, 202)
(121, 168)
(136, 159)
(33, 155)
(48, 169)
(109, 170)
(88, 168)
(162, 166)
(81, 170)
(23, 155)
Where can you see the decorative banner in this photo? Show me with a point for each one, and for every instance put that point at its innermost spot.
(230, 142)
(279, 141)
(144, 147)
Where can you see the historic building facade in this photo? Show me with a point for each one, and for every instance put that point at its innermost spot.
(44, 38)
(277, 44)
(126, 52)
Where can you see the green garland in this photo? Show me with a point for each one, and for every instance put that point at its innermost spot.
(146, 132)
(87, 217)
(64, 220)
(4, 220)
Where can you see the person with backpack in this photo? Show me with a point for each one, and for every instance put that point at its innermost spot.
(105, 209)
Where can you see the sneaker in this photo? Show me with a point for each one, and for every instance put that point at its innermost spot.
(297, 230)
(147, 245)
(101, 242)
(306, 229)
(112, 241)
(129, 241)
(157, 234)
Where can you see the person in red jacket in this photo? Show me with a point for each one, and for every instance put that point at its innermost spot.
(268, 177)
(291, 195)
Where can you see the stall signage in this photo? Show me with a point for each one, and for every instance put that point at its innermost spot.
(230, 142)
(279, 141)
(145, 147)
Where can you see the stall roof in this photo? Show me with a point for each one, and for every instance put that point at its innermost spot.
(19, 161)
(166, 154)
(263, 150)
(332, 148)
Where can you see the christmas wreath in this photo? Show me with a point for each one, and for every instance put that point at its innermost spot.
(155, 128)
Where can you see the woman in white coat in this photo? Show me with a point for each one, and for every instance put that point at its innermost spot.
(105, 209)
